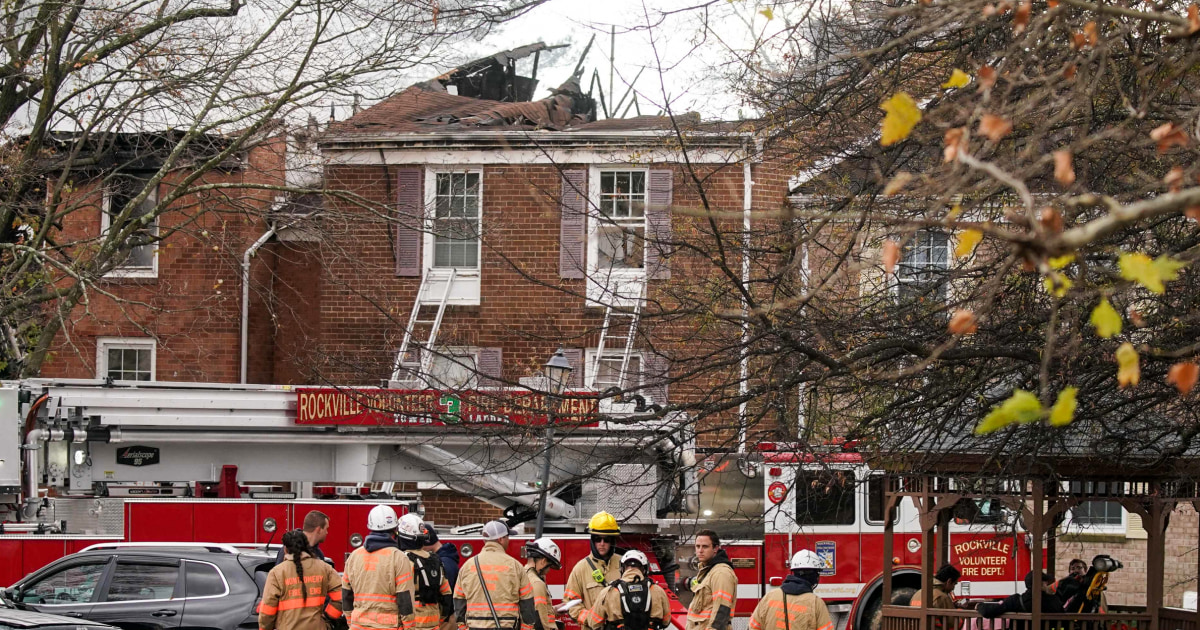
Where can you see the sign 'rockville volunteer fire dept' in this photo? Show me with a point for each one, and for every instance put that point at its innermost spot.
(416, 407)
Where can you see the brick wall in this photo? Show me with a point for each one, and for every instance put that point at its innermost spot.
(1128, 585)
(193, 306)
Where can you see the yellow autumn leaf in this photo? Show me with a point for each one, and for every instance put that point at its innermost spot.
(957, 79)
(1105, 319)
(1057, 284)
(1129, 372)
(1058, 262)
(768, 13)
(1022, 407)
(1063, 411)
(1150, 272)
(967, 240)
(902, 116)
(954, 213)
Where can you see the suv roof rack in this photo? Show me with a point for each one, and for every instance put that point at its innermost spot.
(210, 547)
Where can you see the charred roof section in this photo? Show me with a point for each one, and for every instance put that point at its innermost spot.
(487, 95)
(495, 78)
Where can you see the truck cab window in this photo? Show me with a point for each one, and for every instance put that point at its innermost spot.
(978, 512)
(876, 489)
(825, 497)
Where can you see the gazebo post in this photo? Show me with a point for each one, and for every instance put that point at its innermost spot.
(1035, 547)
(1155, 561)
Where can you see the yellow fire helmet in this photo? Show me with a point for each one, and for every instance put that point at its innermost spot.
(604, 524)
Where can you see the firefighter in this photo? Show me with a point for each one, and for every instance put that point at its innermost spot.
(302, 592)
(714, 587)
(794, 606)
(596, 571)
(493, 590)
(432, 601)
(316, 529)
(377, 589)
(633, 602)
(944, 582)
(543, 555)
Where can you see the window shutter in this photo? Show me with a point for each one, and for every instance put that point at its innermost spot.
(573, 228)
(410, 205)
(575, 358)
(658, 224)
(655, 376)
(491, 367)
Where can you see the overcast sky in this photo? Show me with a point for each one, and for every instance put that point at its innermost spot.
(687, 52)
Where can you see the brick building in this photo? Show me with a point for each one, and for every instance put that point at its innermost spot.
(517, 225)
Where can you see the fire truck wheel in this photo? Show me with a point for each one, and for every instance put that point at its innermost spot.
(901, 596)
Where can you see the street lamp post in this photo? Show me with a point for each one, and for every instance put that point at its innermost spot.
(557, 371)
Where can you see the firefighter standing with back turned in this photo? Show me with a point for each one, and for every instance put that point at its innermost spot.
(794, 606)
(596, 571)
(543, 555)
(377, 583)
(714, 587)
(432, 602)
(302, 592)
(493, 590)
(633, 602)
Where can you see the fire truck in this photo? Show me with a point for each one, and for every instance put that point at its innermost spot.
(88, 462)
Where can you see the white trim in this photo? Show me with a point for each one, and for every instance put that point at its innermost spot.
(106, 222)
(520, 157)
(104, 344)
(612, 287)
(467, 285)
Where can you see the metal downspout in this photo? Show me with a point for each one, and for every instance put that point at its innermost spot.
(744, 361)
(249, 253)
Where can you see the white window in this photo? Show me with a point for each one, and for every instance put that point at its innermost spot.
(454, 368)
(921, 274)
(607, 371)
(123, 359)
(1096, 517)
(452, 245)
(617, 235)
(456, 202)
(449, 369)
(141, 259)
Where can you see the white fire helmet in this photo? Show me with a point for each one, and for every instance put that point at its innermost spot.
(411, 527)
(805, 559)
(545, 548)
(633, 555)
(382, 518)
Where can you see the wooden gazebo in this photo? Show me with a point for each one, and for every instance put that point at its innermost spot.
(1042, 498)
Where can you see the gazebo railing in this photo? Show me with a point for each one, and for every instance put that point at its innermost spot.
(907, 618)
(1177, 619)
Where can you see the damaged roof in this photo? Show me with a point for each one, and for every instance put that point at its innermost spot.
(422, 108)
(487, 95)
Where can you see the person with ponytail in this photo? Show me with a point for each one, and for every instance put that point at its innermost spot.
(302, 593)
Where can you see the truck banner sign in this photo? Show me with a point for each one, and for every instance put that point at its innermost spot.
(983, 558)
(414, 407)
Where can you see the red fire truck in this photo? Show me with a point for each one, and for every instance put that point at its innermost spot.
(175, 462)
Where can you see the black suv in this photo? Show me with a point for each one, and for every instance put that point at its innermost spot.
(147, 586)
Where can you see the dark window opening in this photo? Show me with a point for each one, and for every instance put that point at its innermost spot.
(825, 497)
